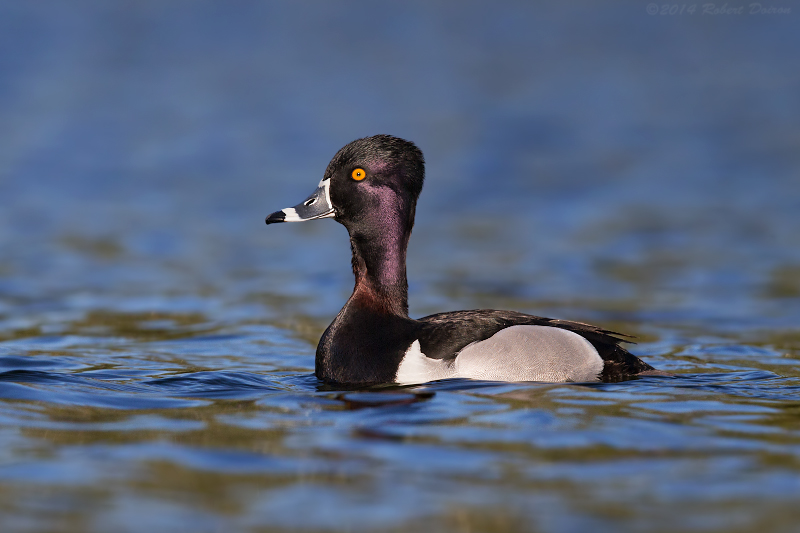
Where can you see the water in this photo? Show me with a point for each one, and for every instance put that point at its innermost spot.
(587, 162)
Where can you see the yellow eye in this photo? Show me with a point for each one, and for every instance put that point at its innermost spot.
(359, 174)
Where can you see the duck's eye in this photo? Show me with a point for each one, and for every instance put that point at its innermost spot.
(359, 174)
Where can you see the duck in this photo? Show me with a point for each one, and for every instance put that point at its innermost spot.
(371, 187)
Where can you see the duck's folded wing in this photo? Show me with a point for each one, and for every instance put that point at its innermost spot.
(444, 335)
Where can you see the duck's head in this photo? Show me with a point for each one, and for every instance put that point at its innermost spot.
(370, 185)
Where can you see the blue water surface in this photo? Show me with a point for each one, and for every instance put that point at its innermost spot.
(587, 161)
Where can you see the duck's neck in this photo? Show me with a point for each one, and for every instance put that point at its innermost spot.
(379, 265)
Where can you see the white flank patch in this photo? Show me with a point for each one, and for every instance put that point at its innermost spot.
(516, 353)
(530, 353)
(416, 367)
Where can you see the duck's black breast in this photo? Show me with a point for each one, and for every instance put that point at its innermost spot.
(443, 335)
(364, 346)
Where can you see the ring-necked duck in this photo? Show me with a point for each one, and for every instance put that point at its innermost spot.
(371, 186)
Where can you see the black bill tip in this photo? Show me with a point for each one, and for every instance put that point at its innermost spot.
(277, 216)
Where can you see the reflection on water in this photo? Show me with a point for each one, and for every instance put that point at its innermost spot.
(226, 426)
(593, 163)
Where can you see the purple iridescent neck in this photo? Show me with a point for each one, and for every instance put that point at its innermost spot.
(379, 242)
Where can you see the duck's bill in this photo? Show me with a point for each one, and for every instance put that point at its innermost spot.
(318, 205)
